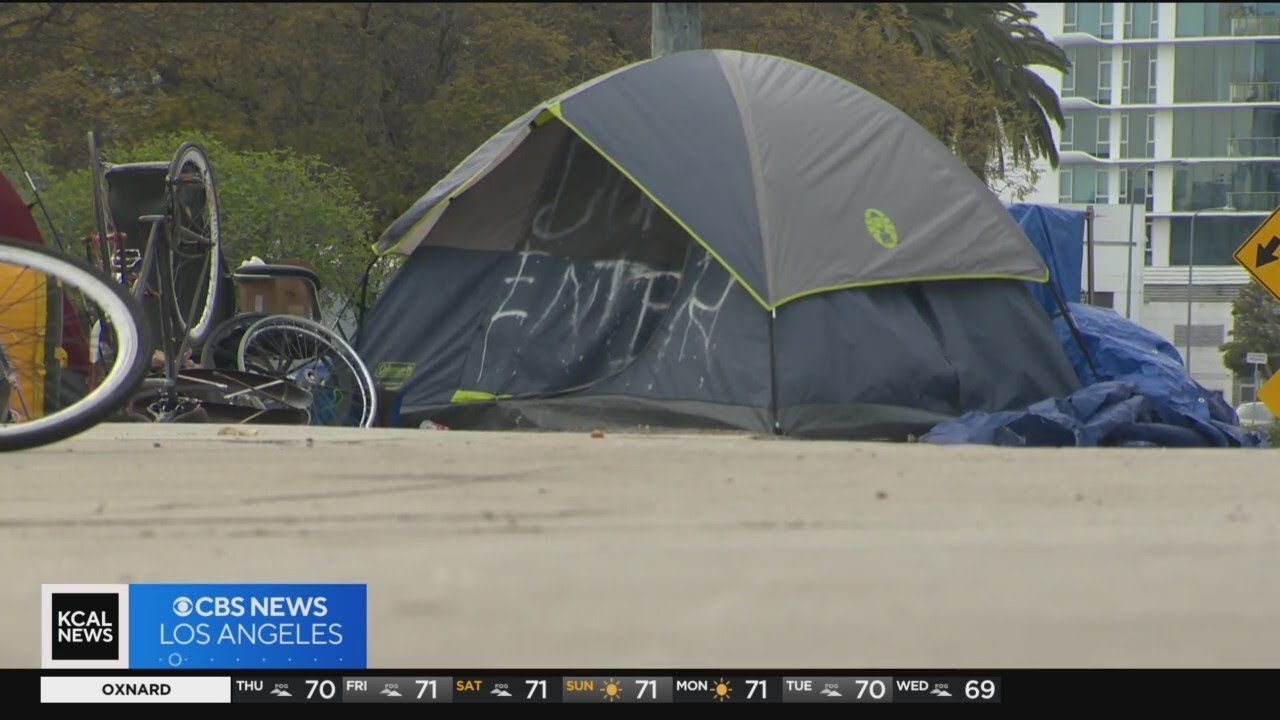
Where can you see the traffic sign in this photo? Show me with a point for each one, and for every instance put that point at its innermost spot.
(1260, 254)
(1269, 394)
(1256, 358)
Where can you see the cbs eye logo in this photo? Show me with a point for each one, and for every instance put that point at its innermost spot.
(183, 606)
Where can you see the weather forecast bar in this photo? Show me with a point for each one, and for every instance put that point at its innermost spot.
(630, 688)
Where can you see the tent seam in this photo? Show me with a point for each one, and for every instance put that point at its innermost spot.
(734, 79)
(557, 111)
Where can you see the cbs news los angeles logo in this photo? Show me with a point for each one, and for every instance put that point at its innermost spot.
(84, 626)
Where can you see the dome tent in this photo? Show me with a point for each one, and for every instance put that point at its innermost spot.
(713, 239)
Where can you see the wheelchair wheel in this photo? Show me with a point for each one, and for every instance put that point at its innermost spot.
(195, 249)
(219, 352)
(70, 342)
(317, 359)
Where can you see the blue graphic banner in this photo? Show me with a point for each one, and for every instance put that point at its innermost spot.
(228, 627)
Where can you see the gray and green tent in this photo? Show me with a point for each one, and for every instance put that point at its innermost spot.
(712, 239)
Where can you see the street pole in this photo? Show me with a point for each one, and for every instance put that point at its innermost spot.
(1089, 216)
(1191, 264)
(1146, 191)
(676, 27)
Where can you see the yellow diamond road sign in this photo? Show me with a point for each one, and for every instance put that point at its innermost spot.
(1260, 254)
(1269, 394)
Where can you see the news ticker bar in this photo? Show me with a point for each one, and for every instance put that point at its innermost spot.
(608, 689)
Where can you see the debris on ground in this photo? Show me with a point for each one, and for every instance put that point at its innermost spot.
(234, 431)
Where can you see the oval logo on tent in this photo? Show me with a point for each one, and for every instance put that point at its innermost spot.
(881, 228)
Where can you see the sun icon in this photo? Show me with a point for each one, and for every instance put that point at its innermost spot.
(722, 690)
(612, 691)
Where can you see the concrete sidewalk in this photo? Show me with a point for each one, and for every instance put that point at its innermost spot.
(543, 550)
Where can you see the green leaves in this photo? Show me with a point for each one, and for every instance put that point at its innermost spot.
(272, 204)
(1256, 328)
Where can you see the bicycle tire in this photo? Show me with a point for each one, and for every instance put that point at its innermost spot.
(316, 331)
(127, 371)
(203, 321)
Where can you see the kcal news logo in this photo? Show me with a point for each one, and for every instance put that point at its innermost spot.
(84, 626)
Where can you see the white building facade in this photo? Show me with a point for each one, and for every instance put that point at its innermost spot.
(1176, 107)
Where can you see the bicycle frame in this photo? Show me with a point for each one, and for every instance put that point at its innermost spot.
(158, 244)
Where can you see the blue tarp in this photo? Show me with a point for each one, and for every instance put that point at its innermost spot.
(1140, 394)
(1058, 235)
(1137, 391)
(1129, 353)
(1105, 414)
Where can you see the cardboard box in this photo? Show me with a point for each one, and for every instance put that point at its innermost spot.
(276, 296)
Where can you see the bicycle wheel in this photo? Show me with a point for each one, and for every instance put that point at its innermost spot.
(195, 250)
(317, 359)
(105, 253)
(219, 352)
(62, 378)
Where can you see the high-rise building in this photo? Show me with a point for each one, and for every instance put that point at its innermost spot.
(1176, 105)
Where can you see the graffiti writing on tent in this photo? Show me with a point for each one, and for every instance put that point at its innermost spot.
(598, 269)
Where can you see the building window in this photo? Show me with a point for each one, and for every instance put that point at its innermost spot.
(1138, 79)
(1096, 19)
(1227, 132)
(1248, 186)
(1065, 181)
(1226, 19)
(1217, 237)
(1069, 77)
(1088, 132)
(1141, 20)
(1124, 135)
(1148, 252)
(1068, 133)
(1148, 192)
(1151, 136)
(1126, 75)
(1151, 75)
(1104, 80)
(1227, 72)
(1101, 194)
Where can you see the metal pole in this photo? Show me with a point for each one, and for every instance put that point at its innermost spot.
(1191, 263)
(1088, 226)
(1128, 289)
(676, 27)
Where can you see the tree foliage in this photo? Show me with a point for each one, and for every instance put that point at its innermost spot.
(1256, 328)
(396, 94)
(272, 204)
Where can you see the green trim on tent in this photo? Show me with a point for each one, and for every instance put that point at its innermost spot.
(555, 110)
(905, 280)
(474, 396)
(543, 118)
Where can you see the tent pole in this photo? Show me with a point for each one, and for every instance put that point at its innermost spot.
(1075, 331)
(773, 377)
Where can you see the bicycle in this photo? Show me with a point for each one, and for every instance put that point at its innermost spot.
(175, 206)
(39, 289)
